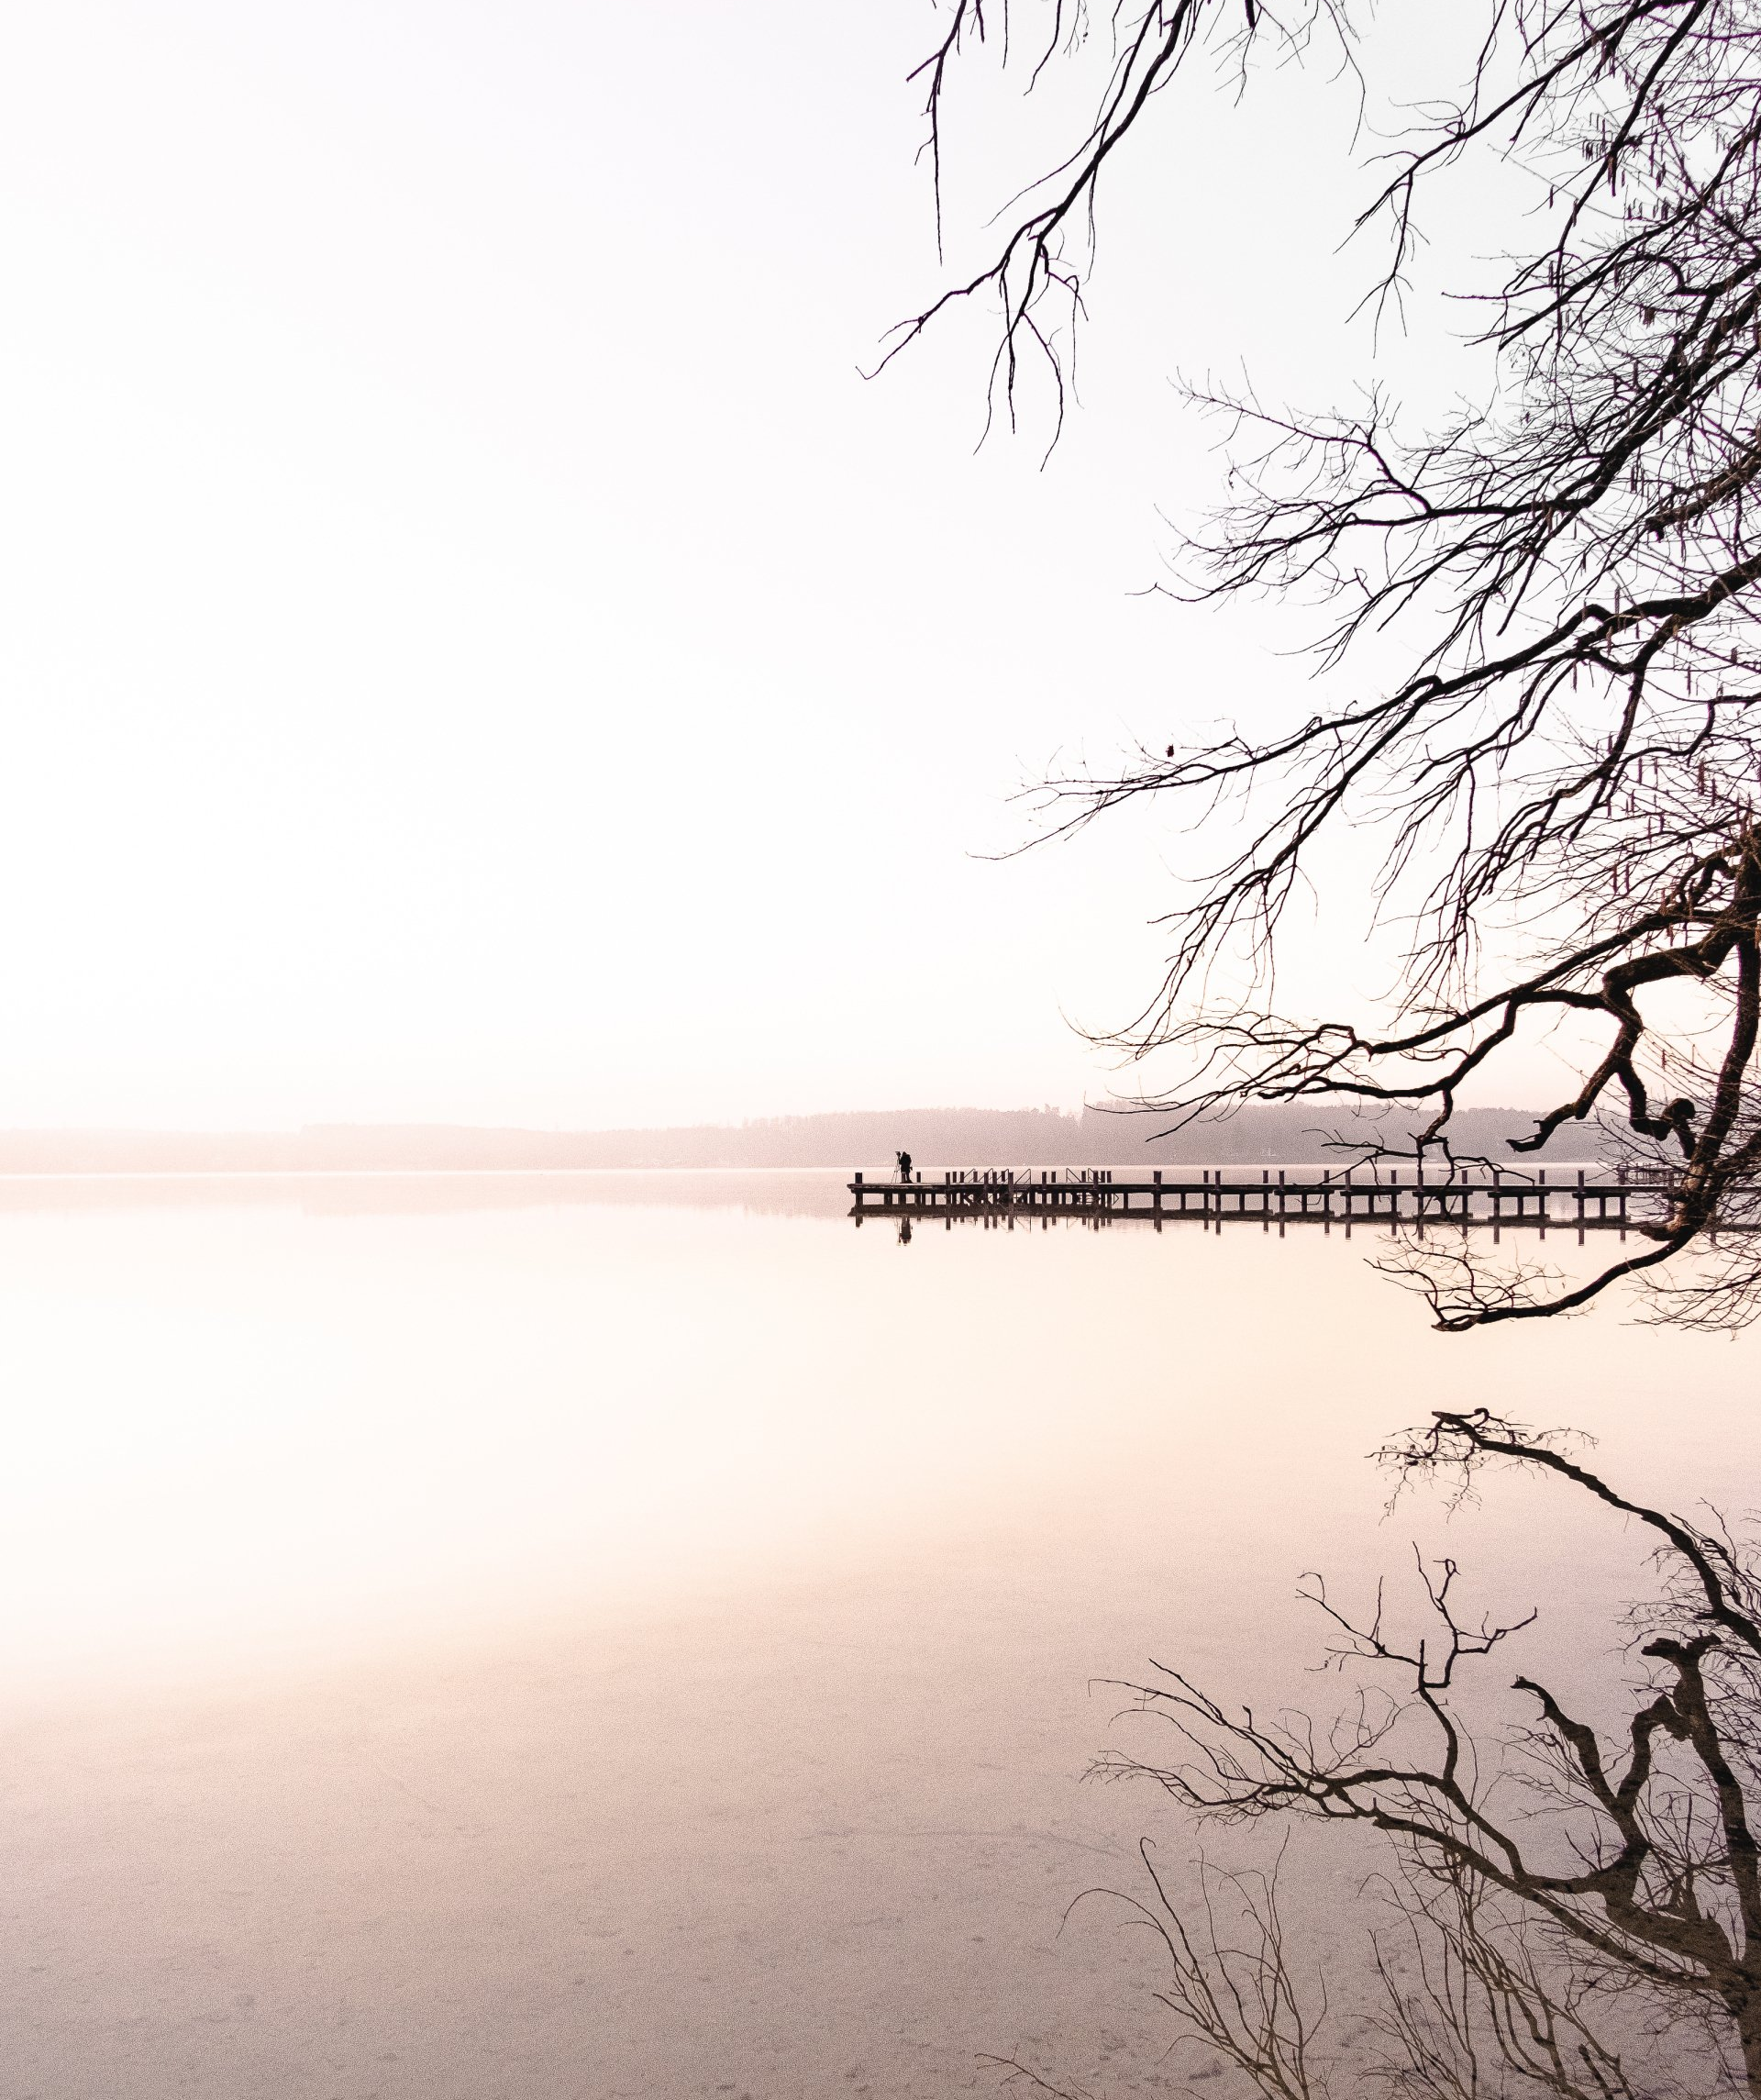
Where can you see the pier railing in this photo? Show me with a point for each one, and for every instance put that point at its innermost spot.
(1587, 1198)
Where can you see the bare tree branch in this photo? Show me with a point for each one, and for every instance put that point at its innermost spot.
(1564, 777)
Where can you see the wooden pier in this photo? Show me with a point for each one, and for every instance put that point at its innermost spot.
(1583, 1199)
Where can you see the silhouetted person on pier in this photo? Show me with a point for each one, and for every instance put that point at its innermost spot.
(904, 1165)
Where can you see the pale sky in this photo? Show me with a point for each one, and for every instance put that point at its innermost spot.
(478, 650)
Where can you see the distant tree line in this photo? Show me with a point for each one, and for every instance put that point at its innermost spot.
(1278, 1133)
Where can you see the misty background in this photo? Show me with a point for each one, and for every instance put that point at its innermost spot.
(480, 650)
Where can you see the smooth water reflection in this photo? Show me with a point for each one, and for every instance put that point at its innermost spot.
(634, 1636)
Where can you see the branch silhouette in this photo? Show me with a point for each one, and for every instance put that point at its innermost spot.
(1563, 777)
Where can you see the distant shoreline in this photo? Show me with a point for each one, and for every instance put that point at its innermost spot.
(1271, 1135)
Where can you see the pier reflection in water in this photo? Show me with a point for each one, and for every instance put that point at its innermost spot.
(1590, 1198)
(563, 1635)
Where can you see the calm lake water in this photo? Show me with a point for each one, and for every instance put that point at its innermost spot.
(596, 1636)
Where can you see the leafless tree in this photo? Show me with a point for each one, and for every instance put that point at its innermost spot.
(1564, 772)
(1581, 1900)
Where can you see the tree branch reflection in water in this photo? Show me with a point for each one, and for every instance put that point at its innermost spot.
(1576, 1902)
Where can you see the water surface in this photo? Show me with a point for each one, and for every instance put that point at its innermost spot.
(633, 1635)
